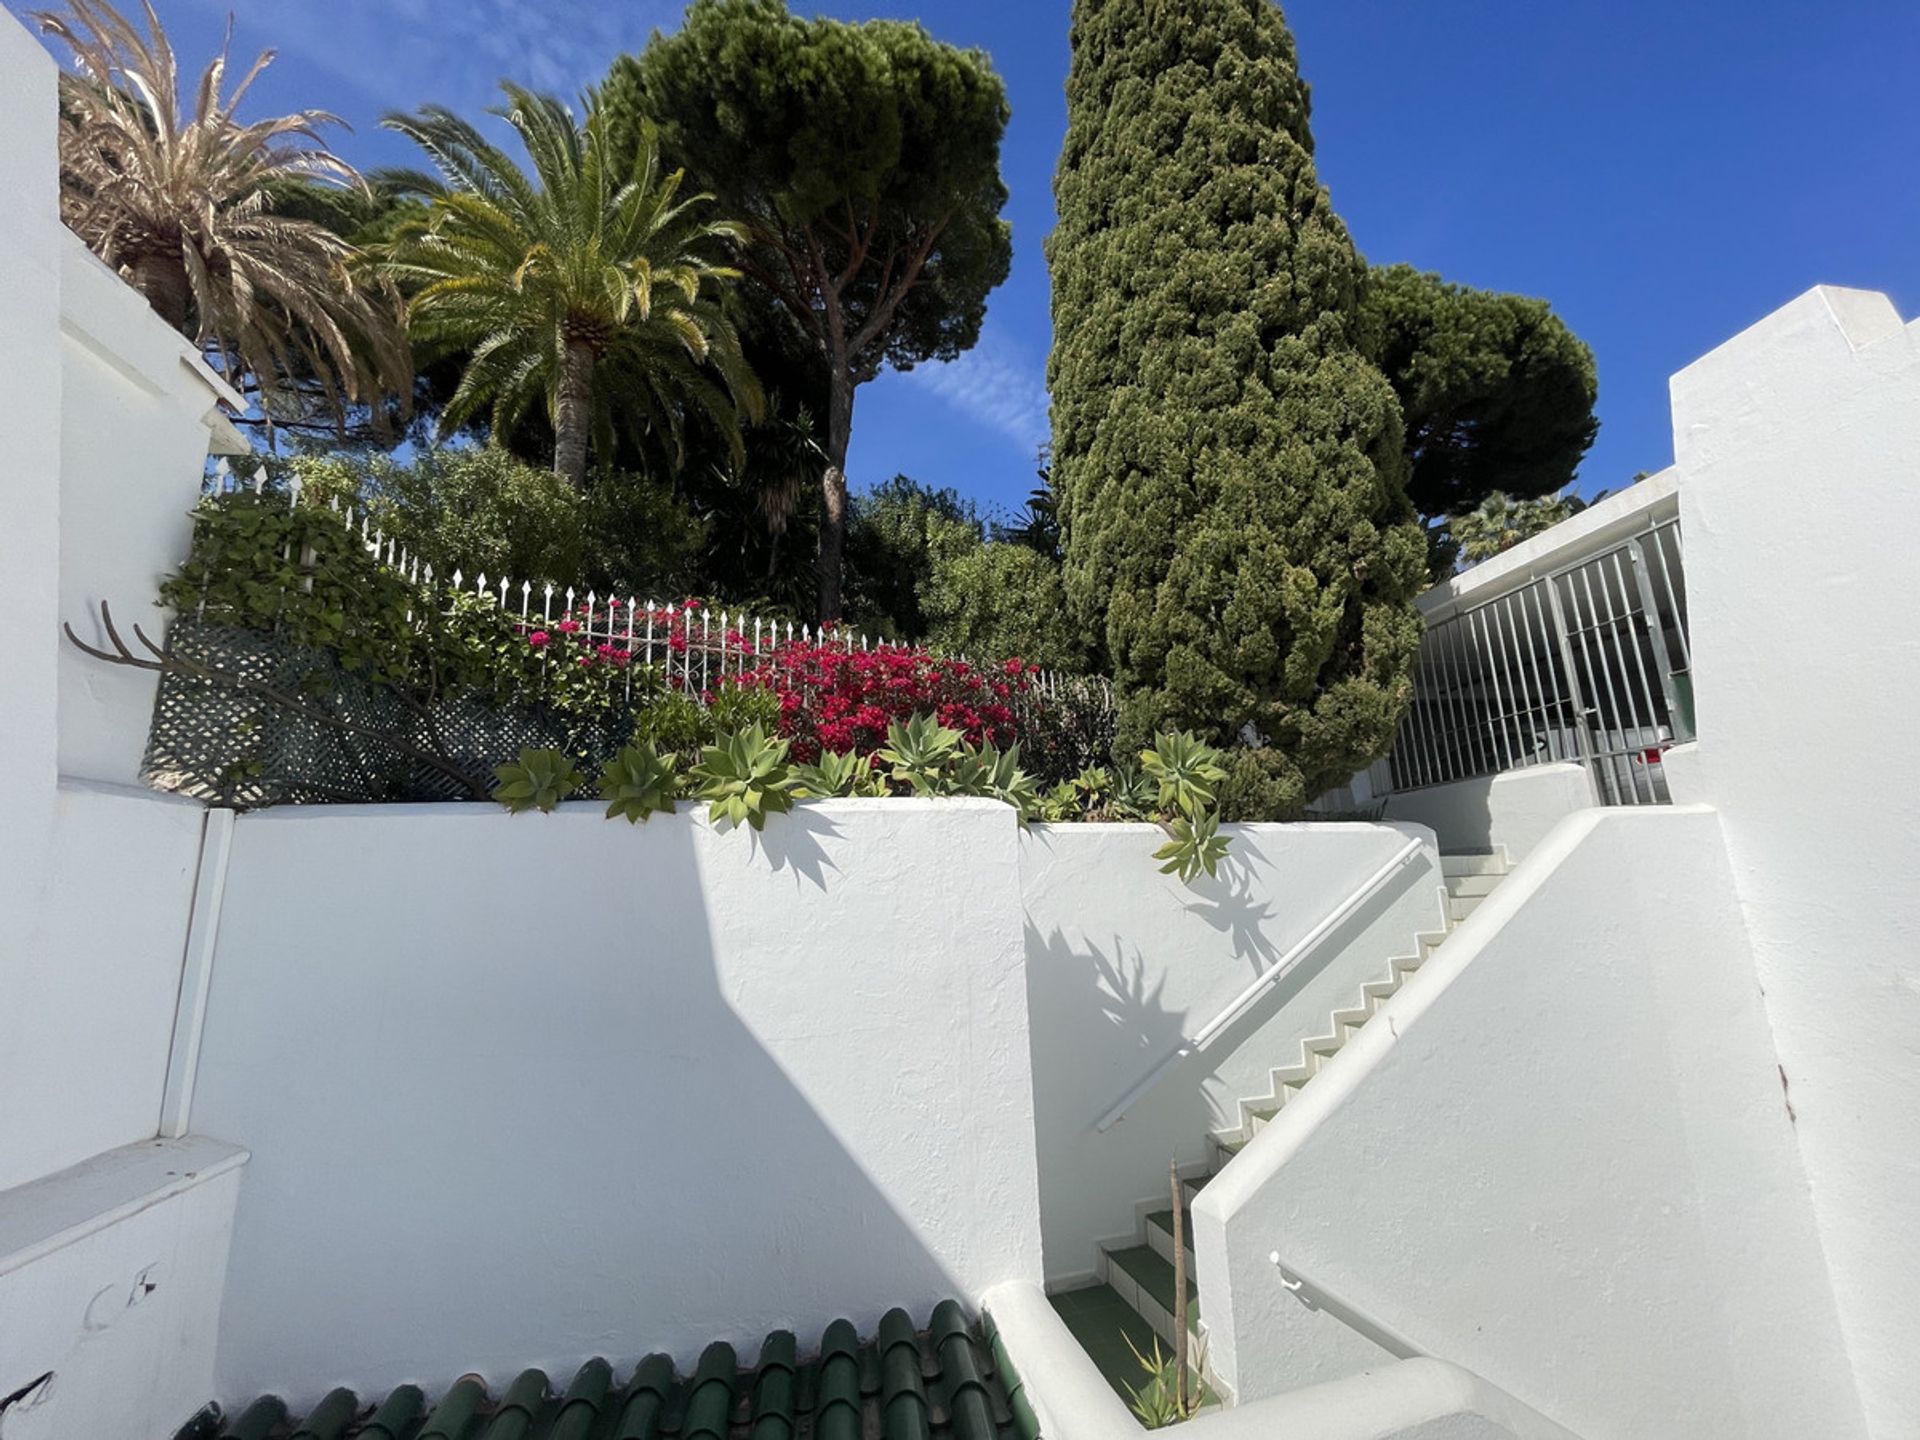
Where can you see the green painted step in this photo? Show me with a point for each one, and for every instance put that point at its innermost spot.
(1164, 1220)
(1153, 1274)
(1103, 1323)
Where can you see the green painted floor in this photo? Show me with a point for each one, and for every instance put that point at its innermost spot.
(1103, 1323)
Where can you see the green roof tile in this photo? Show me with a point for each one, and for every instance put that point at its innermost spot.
(647, 1398)
(949, 1383)
(451, 1416)
(521, 1408)
(710, 1401)
(397, 1415)
(330, 1417)
(776, 1389)
(585, 1400)
(903, 1388)
(259, 1419)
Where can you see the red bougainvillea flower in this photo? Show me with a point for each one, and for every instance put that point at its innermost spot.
(538, 638)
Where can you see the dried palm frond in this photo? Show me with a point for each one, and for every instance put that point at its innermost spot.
(178, 198)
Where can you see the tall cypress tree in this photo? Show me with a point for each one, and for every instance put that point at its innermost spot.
(1230, 467)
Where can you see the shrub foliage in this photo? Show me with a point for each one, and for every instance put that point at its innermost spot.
(1229, 464)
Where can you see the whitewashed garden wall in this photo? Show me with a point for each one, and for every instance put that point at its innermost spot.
(523, 1089)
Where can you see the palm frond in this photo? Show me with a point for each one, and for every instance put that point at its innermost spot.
(584, 249)
(178, 194)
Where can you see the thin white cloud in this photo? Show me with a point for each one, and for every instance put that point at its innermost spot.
(995, 384)
(406, 52)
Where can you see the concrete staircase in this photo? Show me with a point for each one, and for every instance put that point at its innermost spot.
(1470, 878)
(1140, 1272)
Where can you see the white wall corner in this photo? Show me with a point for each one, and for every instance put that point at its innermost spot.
(1800, 441)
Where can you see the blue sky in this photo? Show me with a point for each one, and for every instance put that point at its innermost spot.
(1664, 173)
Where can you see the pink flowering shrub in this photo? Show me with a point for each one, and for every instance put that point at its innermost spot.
(840, 700)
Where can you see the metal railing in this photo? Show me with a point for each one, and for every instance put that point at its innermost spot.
(1588, 663)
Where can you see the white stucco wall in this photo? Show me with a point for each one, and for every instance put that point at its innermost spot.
(135, 402)
(91, 973)
(30, 476)
(1799, 445)
(1124, 962)
(110, 1279)
(524, 1089)
(1512, 811)
(1565, 1163)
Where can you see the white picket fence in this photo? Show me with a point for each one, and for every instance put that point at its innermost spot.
(692, 645)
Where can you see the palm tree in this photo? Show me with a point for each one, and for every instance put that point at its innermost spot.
(588, 285)
(181, 202)
(1500, 523)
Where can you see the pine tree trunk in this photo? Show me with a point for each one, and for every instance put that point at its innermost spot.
(162, 278)
(573, 415)
(833, 530)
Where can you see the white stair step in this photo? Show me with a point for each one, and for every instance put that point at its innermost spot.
(1459, 907)
(1161, 1239)
(1378, 992)
(1473, 863)
(1323, 1045)
(1462, 885)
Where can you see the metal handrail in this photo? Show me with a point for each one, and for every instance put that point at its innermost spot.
(1315, 1296)
(1239, 1005)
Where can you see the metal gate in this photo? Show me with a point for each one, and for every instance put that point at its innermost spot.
(1587, 663)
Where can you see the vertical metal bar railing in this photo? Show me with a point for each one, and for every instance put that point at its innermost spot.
(1584, 663)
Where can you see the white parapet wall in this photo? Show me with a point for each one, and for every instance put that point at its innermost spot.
(1125, 963)
(1417, 1399)
(138, 412)
(30, 234)
(110, 1281)
(90, 975)
(1511, 812)
(525, 1089)
(1560, 1158)
(1798, 444)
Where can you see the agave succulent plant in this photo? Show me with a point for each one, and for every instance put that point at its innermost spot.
(1194, 845)
(920, 754)
(539, 780)
(1185, 769)
(990, 771)
(746, 777)
(840, 773)
(639, 782)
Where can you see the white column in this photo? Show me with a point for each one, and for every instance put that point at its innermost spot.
(1798, 444)
(30, 475)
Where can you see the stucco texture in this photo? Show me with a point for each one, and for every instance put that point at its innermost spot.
(1560, 1158)
(525, 1089)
